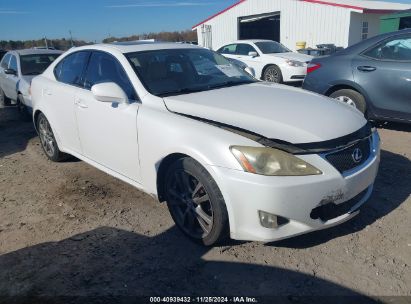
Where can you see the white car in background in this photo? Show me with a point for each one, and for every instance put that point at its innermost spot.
(231, 156)
(270, 60)
(17, 69)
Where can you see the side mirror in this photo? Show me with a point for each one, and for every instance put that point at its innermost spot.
(109, 92)
(10, 72)
(253, 54)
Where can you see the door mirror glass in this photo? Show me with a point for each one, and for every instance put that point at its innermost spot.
(253, 54)
(10, 72)
(109, 92)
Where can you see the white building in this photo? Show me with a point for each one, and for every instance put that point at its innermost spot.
(342, 22)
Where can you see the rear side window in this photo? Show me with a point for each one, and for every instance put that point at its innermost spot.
(71, 68)
(105, 68)
(13, 63)
(5, 61)
(396, 49)
(228, 49)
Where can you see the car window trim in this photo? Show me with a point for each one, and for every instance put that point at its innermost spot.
(82, 73)
(399, 36)
(109, 54)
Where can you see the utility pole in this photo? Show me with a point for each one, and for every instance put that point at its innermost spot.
(45, 40)
(71, 39)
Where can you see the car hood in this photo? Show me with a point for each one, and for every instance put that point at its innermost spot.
(293, 56)
(273, 111)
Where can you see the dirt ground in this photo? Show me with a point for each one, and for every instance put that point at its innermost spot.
(68, 229)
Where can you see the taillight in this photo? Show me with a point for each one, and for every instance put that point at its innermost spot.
(311, 67)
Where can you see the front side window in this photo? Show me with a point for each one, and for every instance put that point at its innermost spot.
(397, 49)
(5, 61)
(36, 64)
(243, 49)
(71, 68)
(228, 49)
(183, 71)
(271, 47)
(13, 63)
(105, 68)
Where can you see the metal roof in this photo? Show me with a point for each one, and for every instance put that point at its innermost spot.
(363, 6)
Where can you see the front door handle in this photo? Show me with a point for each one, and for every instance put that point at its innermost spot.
(366, 68)
(78, 102)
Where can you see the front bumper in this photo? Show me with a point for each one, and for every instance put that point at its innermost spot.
(293, 198)
(291, 74)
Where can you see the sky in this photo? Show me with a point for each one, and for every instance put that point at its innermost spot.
(94, 20)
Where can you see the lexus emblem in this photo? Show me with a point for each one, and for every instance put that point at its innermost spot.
(356, 155)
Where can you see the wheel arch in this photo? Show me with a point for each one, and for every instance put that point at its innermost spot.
(165, 163)
(266, 67)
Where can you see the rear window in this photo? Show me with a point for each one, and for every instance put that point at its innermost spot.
(71, 68)
(36, 64)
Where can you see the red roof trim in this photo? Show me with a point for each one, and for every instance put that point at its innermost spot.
(219, 13)
(334, 4)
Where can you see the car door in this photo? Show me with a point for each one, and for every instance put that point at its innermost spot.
(242, 54)
(9, 84)
(59, 98)
(108, 131)
(3, 66)
(384, 72)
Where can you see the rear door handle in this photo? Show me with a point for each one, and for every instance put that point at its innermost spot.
(78, 102)
(366, 68)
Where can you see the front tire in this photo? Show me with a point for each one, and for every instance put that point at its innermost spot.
(273, 74)
(352, 98)
(48, 141)
(4, 100)
(195, 202)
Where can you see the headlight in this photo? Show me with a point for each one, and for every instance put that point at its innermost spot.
(295, 63)
(268, 161)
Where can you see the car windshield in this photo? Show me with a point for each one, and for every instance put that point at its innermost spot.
(36, 64)
(271, 47)
(182, 71)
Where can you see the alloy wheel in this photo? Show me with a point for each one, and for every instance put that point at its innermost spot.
(46, 136)
(272, 75)
(190, 204)
(347, 100)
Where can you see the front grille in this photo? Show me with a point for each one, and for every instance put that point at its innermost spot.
(331, 210)
(349, 158)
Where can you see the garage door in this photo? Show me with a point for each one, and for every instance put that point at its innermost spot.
(265, 26)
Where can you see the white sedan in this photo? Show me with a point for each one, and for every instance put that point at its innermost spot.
(270, 60)
(230, 155)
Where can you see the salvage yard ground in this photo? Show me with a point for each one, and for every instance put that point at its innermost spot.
(69, 229)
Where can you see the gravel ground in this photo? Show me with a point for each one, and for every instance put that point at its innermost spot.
(68, 229)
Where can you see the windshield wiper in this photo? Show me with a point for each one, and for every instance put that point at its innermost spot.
(32, 73)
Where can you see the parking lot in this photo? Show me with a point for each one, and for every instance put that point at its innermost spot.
(69, 229)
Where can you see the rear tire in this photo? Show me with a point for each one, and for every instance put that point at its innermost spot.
(48, 141)
(195, 202)
(273, 74)
(4, 100)
(352, 98)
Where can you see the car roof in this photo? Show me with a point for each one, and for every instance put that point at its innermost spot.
(252, 40)
(136, 46)
(36, 51)
(365, 44)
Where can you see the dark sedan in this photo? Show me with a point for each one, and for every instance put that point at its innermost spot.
(374, 76)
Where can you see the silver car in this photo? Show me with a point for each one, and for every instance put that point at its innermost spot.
(17, 69)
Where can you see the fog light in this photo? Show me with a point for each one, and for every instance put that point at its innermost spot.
(268, 220)
(271, 221)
